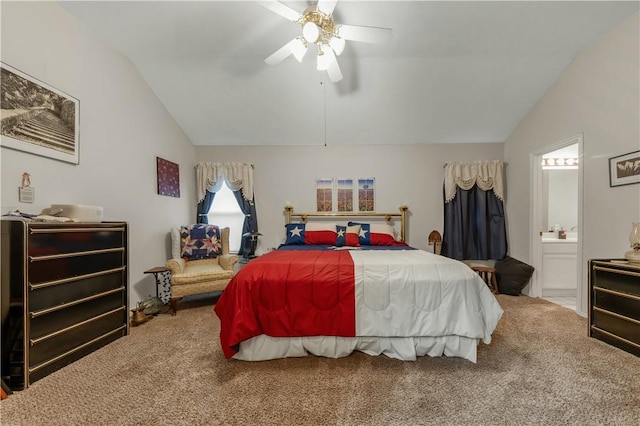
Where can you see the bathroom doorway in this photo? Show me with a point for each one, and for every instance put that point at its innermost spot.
(556, 241)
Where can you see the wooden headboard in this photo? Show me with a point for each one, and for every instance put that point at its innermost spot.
(356, 215)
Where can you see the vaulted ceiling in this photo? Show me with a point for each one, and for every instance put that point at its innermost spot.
(453, 72)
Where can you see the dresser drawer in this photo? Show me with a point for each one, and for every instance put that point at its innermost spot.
(43, 270)
(46, 322)
(620, 303)
(622, 280)
(54, 240)
(612, 323)
(55, 364)
(46, 296)
(615, 341)
(60, 344)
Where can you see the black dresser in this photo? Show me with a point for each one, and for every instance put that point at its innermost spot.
(64, 294)
(614, 303)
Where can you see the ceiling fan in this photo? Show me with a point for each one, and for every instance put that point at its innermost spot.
(319, 29)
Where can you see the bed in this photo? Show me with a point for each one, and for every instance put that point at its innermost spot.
(337, 287)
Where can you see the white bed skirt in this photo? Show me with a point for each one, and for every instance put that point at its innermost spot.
(263, 347)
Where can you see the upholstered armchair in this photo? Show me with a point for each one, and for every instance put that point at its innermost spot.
(198, 267)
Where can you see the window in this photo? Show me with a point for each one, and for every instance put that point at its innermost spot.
(225, 212)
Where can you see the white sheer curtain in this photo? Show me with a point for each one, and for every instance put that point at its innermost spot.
(210, 176)
(486, 174)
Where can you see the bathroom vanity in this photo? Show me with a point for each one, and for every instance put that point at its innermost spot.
(559, 264)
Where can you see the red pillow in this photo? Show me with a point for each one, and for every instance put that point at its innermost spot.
(320, 234)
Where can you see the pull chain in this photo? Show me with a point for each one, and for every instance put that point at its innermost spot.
(324, 101)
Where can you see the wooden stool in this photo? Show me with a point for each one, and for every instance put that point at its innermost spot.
(488, 275)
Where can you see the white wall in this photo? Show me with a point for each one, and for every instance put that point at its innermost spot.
(405, 174)
(597, 95)
(123, 128)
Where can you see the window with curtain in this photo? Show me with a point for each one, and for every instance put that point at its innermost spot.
(225, 212)
(210, 178)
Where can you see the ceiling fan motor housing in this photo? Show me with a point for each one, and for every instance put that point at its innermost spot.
(321, 21)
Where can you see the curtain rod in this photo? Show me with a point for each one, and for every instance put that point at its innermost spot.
(477, 161)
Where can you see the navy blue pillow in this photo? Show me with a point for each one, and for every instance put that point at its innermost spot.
(295, 234)
(341, 240)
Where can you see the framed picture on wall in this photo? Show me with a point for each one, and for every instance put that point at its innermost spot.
(344, 189)
(168, 178)
(366, 194)
(37, 118)
(624, 169)
(324, 194)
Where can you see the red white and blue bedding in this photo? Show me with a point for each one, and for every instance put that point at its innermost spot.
(401, 303)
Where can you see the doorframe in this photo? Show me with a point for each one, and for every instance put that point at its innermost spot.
(535, 225)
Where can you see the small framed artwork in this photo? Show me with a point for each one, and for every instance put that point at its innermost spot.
(37, 118)
(168, 178)
(624, 169)
(366, 194)
(344, 189)
(324, 194)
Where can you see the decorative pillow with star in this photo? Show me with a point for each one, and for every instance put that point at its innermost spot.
(348, 236)
(200, 241)
(295, 234)
(320, 234)
(376, 234)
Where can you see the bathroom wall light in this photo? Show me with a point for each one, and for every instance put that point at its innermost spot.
(559, 163)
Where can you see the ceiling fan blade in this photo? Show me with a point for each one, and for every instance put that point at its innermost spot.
(364, 34)
(291, 48)
(333, 69)
(281, 9)
(328, 61)
(327, 6)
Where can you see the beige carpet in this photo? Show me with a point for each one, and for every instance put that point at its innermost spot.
(541, 368)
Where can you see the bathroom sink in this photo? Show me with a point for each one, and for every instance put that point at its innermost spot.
(552, 237)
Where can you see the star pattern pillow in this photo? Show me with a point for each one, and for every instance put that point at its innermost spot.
(200, 241)
(348, 236)
(295, 234)
(376, 234)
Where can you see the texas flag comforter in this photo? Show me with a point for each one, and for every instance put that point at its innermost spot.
(355, 293)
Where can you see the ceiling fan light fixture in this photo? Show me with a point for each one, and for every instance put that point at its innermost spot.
(311, 32)
(299, 48)
(319, 28)
(323, 58)
(337, 44)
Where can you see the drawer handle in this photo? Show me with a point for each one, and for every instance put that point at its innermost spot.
(76, 349)
(617, 293)
(71, 327)
(629, 342)
(613, 314)
(76, 278)
(74, 254)
(36, 314)
(69, 230)
(617, 271)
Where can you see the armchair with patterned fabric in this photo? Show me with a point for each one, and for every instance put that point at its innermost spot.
(201, 262)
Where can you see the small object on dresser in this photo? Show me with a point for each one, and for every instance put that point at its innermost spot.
(634, 239)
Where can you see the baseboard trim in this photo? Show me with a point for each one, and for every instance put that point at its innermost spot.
(559, 292)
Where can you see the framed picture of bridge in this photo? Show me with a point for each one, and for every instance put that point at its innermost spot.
(37, 118)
